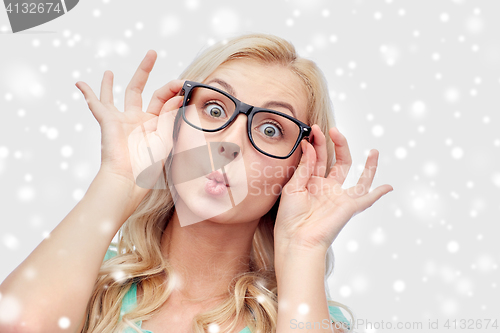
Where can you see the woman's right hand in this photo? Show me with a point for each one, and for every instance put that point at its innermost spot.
(133, 140)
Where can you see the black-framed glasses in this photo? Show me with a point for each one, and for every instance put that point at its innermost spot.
(272, 133)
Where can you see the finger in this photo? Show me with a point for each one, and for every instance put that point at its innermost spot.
(172, 104)
(319, 144)
(366, 179)
(94, 104)
(165, 127)
(157, 133)
(162, 95)
(343, 158)
(107, 88)
(369, 199)
(133, 98)
(304, 170)
(160, 123)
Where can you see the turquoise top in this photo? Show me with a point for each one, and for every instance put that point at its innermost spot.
(130, 302)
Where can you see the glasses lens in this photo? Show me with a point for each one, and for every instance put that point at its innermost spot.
(274, 134)
(208, 109)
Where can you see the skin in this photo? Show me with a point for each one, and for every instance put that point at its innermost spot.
(223, 242)
(313, 208)
(252, 173)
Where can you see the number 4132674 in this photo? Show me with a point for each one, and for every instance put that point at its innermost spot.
(33, 7)
(471, 324)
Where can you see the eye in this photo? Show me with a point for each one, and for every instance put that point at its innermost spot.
(214, 110)
(271, 129)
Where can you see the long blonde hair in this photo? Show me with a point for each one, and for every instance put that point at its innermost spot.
(139, 258)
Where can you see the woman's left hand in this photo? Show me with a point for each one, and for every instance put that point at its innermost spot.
(313, 208)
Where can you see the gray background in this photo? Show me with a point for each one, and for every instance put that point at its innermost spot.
(417, 80)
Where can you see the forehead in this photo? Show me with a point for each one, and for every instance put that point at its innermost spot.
(258, 84)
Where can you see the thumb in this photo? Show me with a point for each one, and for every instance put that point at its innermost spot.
(167, 117)
(173, 104)
(304, 170)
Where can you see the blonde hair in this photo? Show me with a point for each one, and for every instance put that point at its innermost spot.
(139, 253)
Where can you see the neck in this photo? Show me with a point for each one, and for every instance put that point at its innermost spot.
(207, 255)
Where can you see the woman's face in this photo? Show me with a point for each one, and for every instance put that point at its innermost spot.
(255, 180)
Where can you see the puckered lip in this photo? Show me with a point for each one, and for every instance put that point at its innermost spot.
(217, 176)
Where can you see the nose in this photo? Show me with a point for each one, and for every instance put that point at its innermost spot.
(228, 150)
(233, 137)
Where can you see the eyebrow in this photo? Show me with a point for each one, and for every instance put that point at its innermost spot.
(224, 84)
(271, 104)
(280, 104)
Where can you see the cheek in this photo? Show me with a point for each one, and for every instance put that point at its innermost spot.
(269, 179)
(188, 138)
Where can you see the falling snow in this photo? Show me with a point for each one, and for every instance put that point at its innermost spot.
(417, 82)
(64, 322)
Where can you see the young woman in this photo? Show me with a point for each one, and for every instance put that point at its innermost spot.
(226, 196)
